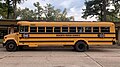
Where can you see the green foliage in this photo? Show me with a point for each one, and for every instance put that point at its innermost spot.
(38, 11)
(53, 14)
(14, 3)
(47, 13)
(4, 10)
(8, 10)
(93, 8)
(25, 14)
(96, 8)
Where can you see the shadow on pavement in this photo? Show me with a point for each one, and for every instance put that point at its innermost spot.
(64, 49)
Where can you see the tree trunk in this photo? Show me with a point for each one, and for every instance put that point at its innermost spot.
(104, 10)
(14, 9)
(8, 13)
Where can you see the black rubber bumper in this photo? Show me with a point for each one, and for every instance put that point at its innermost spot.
(3, 44)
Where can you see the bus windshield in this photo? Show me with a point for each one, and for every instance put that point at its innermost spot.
(23, 29)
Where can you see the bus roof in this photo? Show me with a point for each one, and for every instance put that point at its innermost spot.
(74, 23)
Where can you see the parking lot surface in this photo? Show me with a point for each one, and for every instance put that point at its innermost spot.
(61, 57)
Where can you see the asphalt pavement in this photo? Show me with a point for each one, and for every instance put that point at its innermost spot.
(61, 57)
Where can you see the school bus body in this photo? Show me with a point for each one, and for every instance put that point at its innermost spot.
(35, 39)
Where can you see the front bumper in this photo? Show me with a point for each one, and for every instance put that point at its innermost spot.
(3, 44)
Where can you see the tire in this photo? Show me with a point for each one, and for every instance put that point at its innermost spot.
(11, 46)
(80, 46)
(87, 47)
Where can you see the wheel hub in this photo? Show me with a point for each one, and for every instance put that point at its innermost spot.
(11, 46)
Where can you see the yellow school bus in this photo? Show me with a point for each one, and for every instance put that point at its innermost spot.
(80, 35)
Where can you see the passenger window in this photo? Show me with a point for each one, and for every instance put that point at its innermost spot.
(56, 29)
(87, 29)
(64, 29)
(49, 29)
(33, 29)
(23, 28)
(41, 29)
(80, 29)
(95, 29)
(72, 29)
(105, 29)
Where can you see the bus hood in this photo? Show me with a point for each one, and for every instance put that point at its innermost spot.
(10, 35)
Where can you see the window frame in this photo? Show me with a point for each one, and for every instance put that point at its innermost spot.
(72, 29)
(51, 29)
(66, 29)
(34, 29)
(24, 29)
(41, 29)
(95, 30)
(59, 30)
(105, 31)
(81, 30)
(88, 31)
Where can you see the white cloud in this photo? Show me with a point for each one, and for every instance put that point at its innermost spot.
(77, 13)
(74, 7)
(66, 3)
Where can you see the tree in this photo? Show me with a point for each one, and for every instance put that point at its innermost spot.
(25, 14)
(14, 3)
(38, 11)
(100, 8)
(57, 14)
(12, 7)
(8, 8)
(53, 14)
(46, 13)
(63, 15)
(4, 10)
(49, 12)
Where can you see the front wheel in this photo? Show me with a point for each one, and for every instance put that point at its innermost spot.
(80, 46)
(11, 46)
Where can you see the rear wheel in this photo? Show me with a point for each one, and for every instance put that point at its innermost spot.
(11, 46)
(87, 47)
(80, 46)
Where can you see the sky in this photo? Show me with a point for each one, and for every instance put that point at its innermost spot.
(74, 7)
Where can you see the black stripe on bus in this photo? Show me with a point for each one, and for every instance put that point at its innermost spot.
(100, 41)
(68, 37)
(46, 41)
(64, 33)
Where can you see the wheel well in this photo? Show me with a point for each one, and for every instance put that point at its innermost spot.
(10, 40)
(82, 41)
